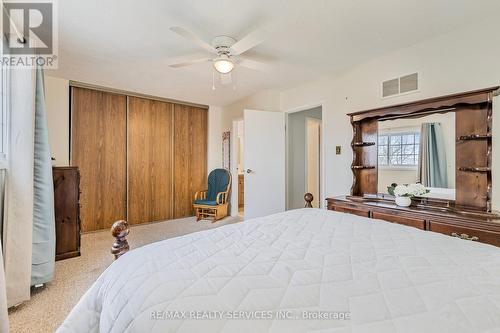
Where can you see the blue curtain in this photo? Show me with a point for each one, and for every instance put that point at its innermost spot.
(43, 255)
(432, 166)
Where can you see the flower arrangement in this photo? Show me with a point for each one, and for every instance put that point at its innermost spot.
(405, 192)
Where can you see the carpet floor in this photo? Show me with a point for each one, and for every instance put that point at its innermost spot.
(50, 304)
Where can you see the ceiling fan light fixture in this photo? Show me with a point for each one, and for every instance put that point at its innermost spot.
(223, 64)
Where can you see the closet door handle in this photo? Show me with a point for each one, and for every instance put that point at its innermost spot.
(248, 170)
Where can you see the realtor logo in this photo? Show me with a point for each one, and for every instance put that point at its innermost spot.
(30, 33)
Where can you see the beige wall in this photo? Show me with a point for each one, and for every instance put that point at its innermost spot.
(214, 138)
(266, 100)
(57, 102)
(447, 64)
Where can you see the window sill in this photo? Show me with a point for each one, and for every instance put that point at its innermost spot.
(398, 168)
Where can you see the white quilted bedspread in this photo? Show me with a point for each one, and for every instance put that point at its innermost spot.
(386, 277)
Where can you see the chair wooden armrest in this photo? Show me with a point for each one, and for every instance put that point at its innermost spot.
(200, 195)
(221, 197)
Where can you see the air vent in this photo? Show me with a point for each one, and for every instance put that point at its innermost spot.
(400, 85)
(390, 87)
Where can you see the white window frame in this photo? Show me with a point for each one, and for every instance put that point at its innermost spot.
(389, 166)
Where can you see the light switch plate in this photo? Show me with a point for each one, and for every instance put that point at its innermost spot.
(337, 150)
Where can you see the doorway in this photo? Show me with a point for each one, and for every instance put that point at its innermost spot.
(239, 169)
(313, 158)
(304, 164)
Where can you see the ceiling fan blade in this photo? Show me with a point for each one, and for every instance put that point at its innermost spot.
(254, 64)
(189, 62)
(246, 43)
(192, 37)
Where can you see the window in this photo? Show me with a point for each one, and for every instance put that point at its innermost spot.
(398, 149)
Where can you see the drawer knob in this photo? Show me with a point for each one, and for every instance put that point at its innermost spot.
(465, 236)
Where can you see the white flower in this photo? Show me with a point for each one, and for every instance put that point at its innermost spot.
(422, 189)
(410, 190)
(401, 190)
(416, 189)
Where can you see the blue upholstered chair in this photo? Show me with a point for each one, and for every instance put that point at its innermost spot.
(213, 202)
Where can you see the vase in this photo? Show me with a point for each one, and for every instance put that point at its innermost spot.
(403, 201)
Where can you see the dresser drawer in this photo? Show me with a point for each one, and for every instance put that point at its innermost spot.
(409, 221)
(349, 210)
(479, 235)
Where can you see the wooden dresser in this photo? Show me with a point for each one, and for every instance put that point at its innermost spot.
(469, 214)
(67, 211)
(476, 226)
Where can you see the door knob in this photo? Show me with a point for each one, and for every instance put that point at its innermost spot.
(249, 171)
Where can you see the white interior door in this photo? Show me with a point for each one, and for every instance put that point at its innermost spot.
(264, 149)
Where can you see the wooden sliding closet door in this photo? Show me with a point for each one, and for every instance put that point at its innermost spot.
(98, 148)
(190, 156)
(150, 160)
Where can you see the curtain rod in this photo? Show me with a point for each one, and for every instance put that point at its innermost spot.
(77, 84)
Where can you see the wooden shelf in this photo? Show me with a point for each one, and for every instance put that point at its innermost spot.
(474, 137)
(363, 144)
(361, 167)
(475, 169)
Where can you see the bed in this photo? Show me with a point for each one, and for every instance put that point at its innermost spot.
(306, 270)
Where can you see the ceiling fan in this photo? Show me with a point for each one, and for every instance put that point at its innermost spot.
(227, 51)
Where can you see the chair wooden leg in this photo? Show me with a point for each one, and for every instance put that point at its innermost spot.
(220, 212)
(211, 213)
(216, 216)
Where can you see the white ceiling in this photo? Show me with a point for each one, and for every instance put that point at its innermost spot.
(127, 44)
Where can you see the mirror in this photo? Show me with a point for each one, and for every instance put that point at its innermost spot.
(418, 150)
